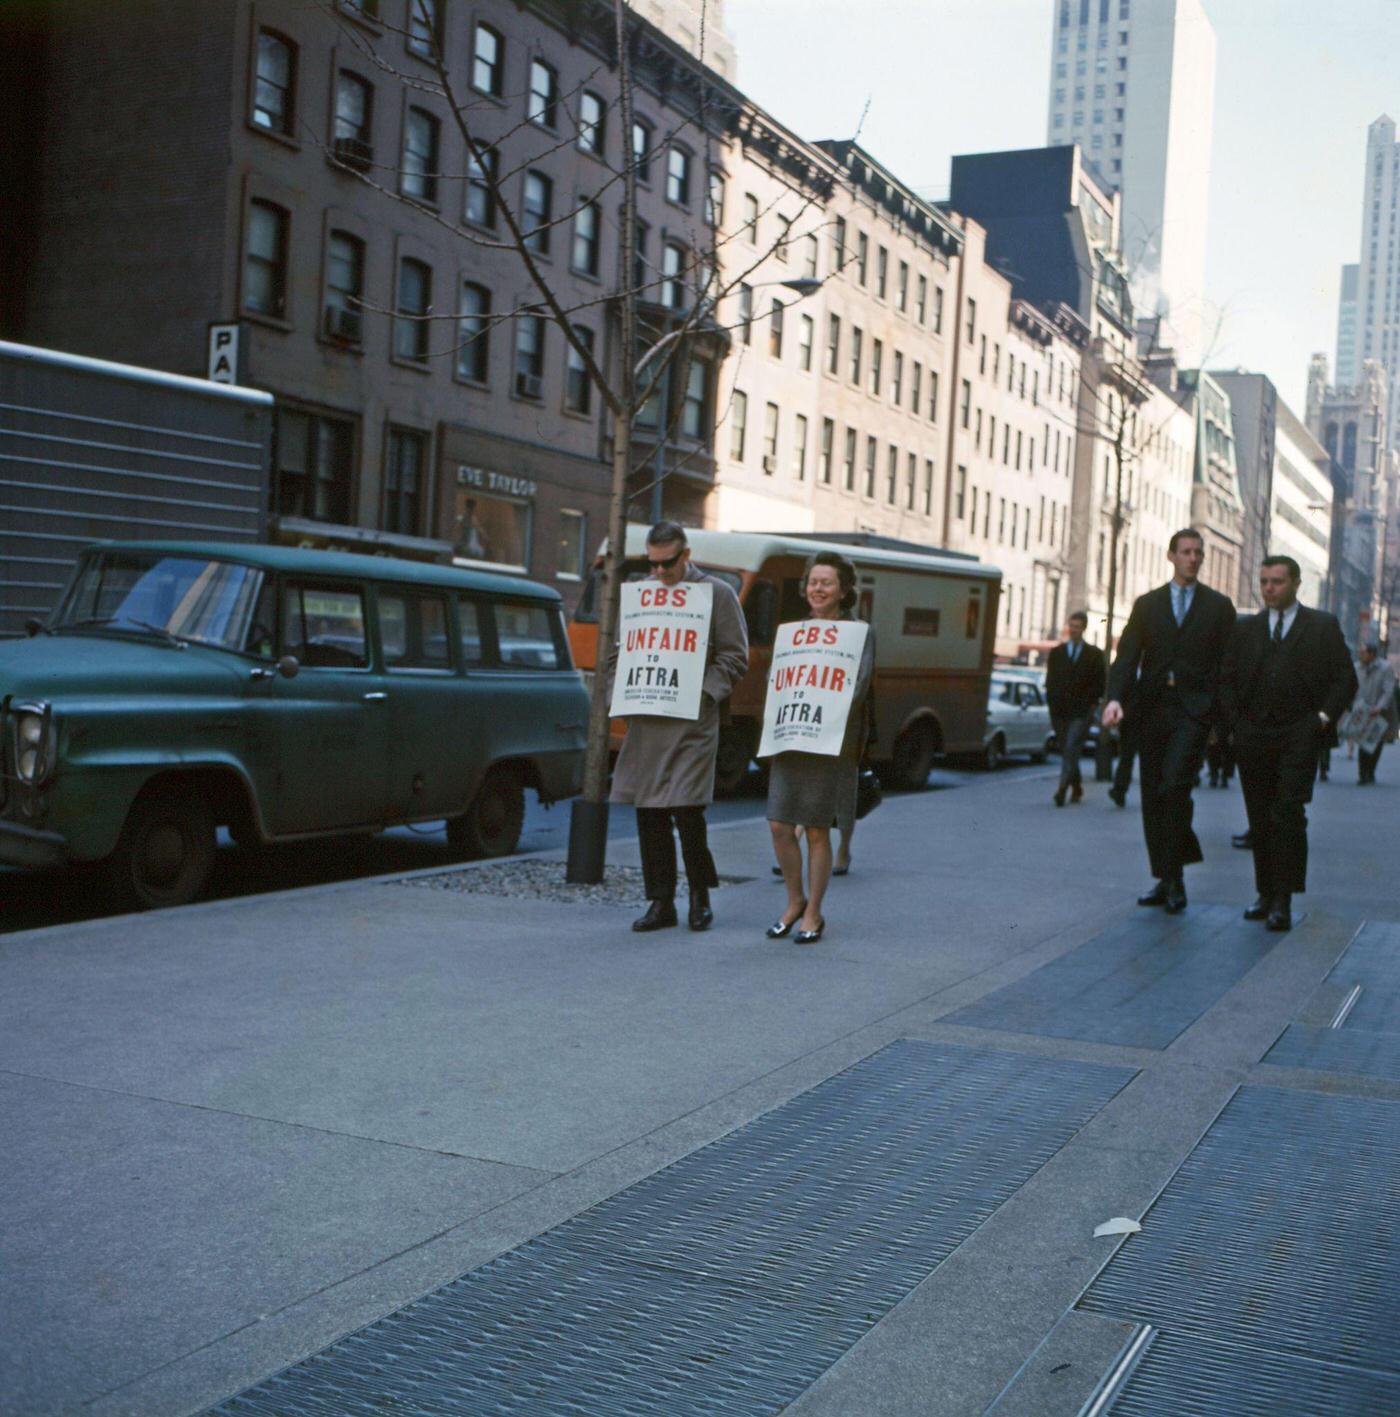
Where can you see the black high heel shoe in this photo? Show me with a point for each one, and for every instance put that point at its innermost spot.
(810, 937)
(779, 929)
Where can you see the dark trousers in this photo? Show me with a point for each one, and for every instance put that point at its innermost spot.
(1366, 763)
(1170, 746)
(658, 848)
(1277, 764)
(1123, 767)
(1071, 733)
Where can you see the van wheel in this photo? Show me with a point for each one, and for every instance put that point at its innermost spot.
(165, 852)
(733, 758)
(913, 756)
(994, 753)
(491, 825)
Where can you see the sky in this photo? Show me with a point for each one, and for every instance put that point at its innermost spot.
(1297, 84)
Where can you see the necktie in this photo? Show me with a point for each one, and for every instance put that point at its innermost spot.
(1178, 604)
(1278, 629)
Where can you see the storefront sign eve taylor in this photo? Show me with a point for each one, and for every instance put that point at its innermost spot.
(663, 639)
(811, 686)
(504, 483)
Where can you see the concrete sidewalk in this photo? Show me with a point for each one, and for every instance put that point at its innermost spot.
(237, 1132)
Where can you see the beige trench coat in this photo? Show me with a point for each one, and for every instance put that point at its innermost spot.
(670, 762)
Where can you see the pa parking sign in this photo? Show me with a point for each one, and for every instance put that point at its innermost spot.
(224, 342)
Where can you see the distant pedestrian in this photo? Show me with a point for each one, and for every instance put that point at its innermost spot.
(666, 767)
(1220, 757)
(1375, 695)
(816, 791)
(1287, 678)
(1075, 675)
(1169, 660)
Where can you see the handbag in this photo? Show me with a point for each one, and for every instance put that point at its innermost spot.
(869, 793)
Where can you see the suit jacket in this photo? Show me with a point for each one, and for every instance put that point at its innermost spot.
(1073, 687)
(1156, 654)
(1314, 675)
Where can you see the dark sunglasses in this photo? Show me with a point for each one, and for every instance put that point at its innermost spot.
(668, 562)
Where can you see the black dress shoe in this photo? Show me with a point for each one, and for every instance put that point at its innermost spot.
(660, 914)
(780, 928)
(1059, 797)
(1176, 898)
(1156, 896)
(701, 916)
(1281, 916)
(1259, 910)
(1118, 796)
(1244, 841)
(810, 937)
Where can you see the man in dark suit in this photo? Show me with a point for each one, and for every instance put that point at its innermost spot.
(1286, 680)
(1074, 681)
(1169, 661)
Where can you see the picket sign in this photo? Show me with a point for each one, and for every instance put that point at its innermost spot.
(663, 638)
(811, 686)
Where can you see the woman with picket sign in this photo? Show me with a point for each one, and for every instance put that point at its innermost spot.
(814, 733)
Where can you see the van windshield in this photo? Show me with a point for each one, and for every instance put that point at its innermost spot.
(186, 598)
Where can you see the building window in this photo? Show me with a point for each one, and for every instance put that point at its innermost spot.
(542, 105)
(806, 334)
(897, 382)
(849, 462)
(912, 480)
(641, 150)
(770, 438)
(672, 276)
(345, 287)
(933, 395)
(714, 200)
(315, 460)
(833, 344)
(965, 404)
(678, 177)
(265, 262)
(571, 564)
(960, 493)
(928, 487)
(902, 288)
(424, 27)
(539, 202)
(578, 387)
(403, 481)
(529, 356)
(420, 156)
(474, 333)
(916, 387)
(775, 329)
(738, 425)
(971, 321)
(882, 272)
(746, 313)
(877, 361)
(799, 448)
(592, 123)
(856, 340)
(499, 530)
(751, 218)
(921, 299)
(811, 254)
(862, 256)
(828, 441)
(586, 239)
(354, 111)
(411, 311)
(892, 475)
(483, 167)
(488, 51)
(274, 83)
(838, 244)
(780, 247)
(938, 310)
(872, 453)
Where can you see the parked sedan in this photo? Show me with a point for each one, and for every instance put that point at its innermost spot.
(1018, 720)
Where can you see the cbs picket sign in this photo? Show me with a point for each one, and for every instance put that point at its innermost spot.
(663, 640)
(811, 686)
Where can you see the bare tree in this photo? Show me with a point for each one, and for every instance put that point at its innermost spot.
(664, 317)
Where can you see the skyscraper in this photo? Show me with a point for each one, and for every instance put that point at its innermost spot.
(1347, 366)
(1133, 83)
(1378, 286)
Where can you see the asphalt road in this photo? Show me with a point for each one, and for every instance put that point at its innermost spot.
(31, 899)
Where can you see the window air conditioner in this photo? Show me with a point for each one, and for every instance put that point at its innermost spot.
(529, 386)
(342, 324)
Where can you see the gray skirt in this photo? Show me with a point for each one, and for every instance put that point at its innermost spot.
(813, 790)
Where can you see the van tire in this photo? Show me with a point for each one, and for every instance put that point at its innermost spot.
(733, 757)
(912, 759)
(491, 825)
(166, 850)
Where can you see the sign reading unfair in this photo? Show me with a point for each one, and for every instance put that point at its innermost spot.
(663, 638)
(811, 686)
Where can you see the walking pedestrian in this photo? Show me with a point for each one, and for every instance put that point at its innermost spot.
(1169, 658)
(666, 767)
(1286, 679)
(1376, 696)
(812, 790)
(1075, 675)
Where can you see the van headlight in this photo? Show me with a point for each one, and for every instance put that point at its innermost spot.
(33, 744)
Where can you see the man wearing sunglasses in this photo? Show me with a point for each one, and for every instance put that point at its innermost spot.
(666, 768)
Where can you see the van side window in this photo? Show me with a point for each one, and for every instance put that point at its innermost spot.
(974, 616)
(469, 628)
(324, 626)
(761, 612)
(413, 630)
(528, 635)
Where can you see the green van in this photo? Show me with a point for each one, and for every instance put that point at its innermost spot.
(284, 694)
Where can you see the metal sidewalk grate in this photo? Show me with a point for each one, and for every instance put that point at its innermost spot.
(1141, 982)
(727, 1283)
(1356, 1051)
(1277, 1235)
(1191, 1377)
